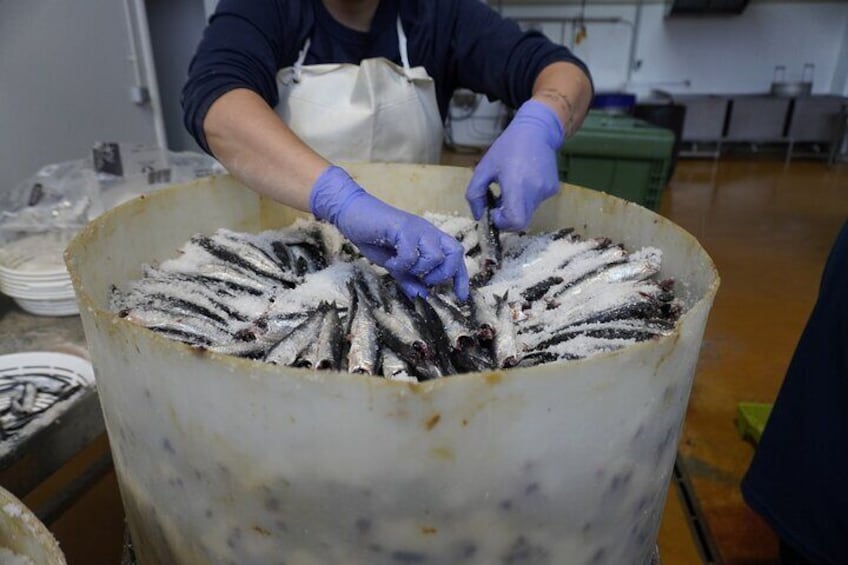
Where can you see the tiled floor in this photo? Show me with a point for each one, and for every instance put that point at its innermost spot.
(768, 228)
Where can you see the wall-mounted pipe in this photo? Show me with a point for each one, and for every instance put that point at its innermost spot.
(135, 65)
(141, 31)
(634, 41)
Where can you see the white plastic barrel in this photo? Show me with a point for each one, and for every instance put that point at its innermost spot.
(227, 460)
(24, 540)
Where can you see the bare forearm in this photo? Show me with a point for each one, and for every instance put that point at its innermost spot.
(257, 148)
(566, 89)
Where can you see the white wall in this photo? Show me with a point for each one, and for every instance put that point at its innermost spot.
(840, 76)
(65, 83)
(704, 54)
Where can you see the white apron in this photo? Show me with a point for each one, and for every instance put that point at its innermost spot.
(374, 111)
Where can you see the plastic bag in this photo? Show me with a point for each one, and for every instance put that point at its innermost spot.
(63, 197)
(126, 171)
(56, 198)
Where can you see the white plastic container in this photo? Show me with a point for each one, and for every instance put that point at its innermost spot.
(23, 538)
(227, 460)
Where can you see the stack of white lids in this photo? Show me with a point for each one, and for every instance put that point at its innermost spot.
(33, 272)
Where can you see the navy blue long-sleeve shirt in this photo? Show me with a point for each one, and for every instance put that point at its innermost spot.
(461, 43)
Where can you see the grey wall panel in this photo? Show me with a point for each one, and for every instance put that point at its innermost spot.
(175, 30)
(65, 79)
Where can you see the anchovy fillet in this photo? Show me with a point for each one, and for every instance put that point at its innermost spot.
(506, 347)
(484, 316)
(394, 368)
(489, 239)
(363, 354)
(287, 350)
(305, 297)
(324, 353)
(457, 326)
(246, 256)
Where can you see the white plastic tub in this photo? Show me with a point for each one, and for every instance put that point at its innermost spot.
(225, 460)
(24, 540)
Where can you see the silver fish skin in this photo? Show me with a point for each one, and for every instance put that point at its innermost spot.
(43, 402)
(584, 346)
(187, 299)
(638, 267)
(600, 302)
(306, 258)
(228, 272)
(635, 269)
(287, 350)
(402, 330)
(588, 264)
(555, 251)
(363, 354)
(368, 284)
(226, 247)
(505, 344)
(484, 317)
(328, 346)
(490, 242)
(457, 326)
(25, 402)
(474, 358)
(52, 384)
(401, 325)
(534, 274)
(307, 358)
(248, 349)
(434, 333)
(392, 365)
(170, 321)
(429, 370)
(256, 253)
(636, 330)
(215, 289)
(272, 327)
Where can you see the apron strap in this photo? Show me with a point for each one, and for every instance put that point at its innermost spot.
(301, 57)
(404, 55)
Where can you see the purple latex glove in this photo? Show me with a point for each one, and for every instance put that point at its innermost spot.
(522, 160)
(412, 249)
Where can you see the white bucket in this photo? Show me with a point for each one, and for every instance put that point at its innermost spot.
(24, 540)
(228, 460)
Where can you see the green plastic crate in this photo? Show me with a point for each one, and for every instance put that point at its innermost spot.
(620, 155)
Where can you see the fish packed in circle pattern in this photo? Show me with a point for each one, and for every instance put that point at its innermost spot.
(304, 296)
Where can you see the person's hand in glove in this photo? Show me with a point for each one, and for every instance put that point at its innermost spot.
(410, 248)
(522, 160)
